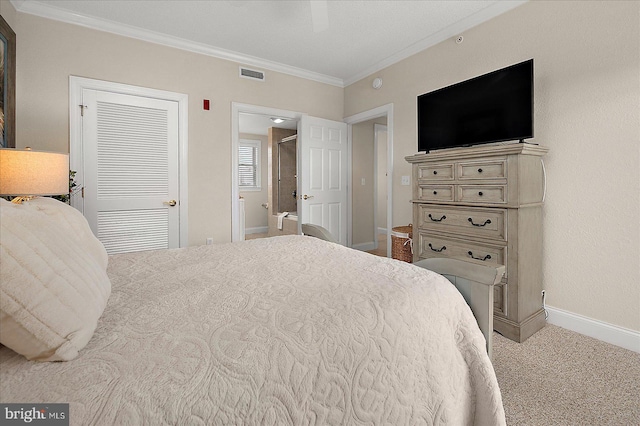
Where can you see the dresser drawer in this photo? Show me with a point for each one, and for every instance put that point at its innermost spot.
(500, 188)
(469, 221)
(435, 192)
(486, 169)
(433, 172)
(430, 245)
(482, 194)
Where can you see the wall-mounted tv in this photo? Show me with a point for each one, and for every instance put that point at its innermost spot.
(494, 107)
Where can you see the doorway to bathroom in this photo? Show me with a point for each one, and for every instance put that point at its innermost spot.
(266, 163)
(323, 174)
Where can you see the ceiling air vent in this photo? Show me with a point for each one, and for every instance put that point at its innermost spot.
(252, 74)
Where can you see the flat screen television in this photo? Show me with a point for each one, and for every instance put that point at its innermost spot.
(494, 107)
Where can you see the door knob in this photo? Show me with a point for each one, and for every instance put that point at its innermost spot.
(171, 203)
(306, 197)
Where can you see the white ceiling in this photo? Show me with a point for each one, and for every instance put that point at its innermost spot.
(362, 37)
(257, 124)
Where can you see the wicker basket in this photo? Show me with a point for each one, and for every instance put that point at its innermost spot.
(402, 244)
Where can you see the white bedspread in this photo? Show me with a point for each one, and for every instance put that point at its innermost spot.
(285, 330)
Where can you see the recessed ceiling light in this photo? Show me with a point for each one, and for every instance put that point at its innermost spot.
(277, 120)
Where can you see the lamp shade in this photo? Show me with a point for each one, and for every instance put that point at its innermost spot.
(24, 172)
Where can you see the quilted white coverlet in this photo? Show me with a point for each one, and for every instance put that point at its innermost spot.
(286, 330)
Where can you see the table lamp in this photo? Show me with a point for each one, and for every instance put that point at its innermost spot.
(27, 174)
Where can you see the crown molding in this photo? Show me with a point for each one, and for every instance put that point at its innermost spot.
(51, 12)
(447, 32)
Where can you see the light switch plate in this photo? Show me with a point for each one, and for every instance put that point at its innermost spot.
(406, 180)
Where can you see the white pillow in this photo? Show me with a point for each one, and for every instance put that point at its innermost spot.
(53, 280)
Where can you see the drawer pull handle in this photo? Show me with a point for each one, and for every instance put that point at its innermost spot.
(437, 220)
(480, 193)
(479, 170)
(435, 192)
(486, 222)
(479, 258)
(435, 172)
(438, 250)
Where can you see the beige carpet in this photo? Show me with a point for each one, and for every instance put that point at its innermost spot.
(558, 377)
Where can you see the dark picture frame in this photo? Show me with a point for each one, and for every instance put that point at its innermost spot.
(7, 85)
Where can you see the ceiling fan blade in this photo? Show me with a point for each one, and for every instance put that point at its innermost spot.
(319, 15)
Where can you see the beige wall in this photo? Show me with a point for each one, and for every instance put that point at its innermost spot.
(255, 214)
(8, 13)
(587, 92)
(382, 179)
(48, 52)
(363, 168)
(362, 195)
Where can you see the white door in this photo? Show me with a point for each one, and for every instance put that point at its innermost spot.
(323, 175)
(131, 184)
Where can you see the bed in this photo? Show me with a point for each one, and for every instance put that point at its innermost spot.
(284, 330)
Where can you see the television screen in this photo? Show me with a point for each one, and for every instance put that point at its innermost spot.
(490, 108)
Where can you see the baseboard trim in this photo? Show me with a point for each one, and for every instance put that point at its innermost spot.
(382, 230)
(257, 230)
(364, 246)
(619, 336)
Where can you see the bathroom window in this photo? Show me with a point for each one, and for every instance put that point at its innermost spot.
(249, 165)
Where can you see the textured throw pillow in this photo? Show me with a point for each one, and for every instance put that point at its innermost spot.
(53, 280)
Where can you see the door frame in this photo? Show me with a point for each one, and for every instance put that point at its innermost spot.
(77, 85)
(381, 111)
(236, 109)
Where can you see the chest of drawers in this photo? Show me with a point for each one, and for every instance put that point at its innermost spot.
(485, 203)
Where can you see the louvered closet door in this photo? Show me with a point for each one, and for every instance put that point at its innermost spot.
(130, 150)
